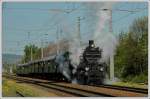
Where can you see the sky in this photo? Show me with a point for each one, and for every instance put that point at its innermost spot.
(33, 22)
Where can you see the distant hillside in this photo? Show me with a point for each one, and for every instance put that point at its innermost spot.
(11, 58)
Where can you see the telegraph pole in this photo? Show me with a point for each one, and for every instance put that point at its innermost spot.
(79, 34)
(41, 49)
(43, 40)
(111, 58)
(57, 41)
(30, 46)
(110, 22)
(112, 55)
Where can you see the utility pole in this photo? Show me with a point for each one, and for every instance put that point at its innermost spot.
(79, 34)
(43, 40)
(110, 22)
(30, 46)
(61, 33)
(41, 49)
(111, 58)
(112, 55)
(57, 41)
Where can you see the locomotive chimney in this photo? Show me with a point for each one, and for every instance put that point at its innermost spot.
(91, 42)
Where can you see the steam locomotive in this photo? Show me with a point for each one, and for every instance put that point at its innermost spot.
(89, 71)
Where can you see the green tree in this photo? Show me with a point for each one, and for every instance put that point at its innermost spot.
(131, 59)
(36, 53)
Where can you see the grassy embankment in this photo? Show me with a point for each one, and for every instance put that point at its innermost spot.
(130, 84)
(10, 87)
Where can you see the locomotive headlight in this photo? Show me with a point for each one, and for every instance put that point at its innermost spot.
(86, 68)
(92, 45)
(101, 69)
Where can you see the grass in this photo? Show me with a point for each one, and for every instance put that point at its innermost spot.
(9, 88)
(130, 84)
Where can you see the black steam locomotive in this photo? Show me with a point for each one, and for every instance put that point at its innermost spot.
(89, 71)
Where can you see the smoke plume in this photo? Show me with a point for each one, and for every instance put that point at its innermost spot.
(101, 34)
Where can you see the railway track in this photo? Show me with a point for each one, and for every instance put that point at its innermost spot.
(73, 91)
(84, 90)
(109, 91)
(19, 94)
(138, 90)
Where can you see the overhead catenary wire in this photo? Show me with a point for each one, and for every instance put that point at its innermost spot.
(127, 15)
(38, 9)
(131, 11)
(68, 10)
(117, 20)
(123, 10)
(71, 10)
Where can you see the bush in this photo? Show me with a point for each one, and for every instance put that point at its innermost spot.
(131, 58)
(136, 79)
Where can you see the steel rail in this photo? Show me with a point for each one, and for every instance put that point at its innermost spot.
(70, 90)
(132, 89)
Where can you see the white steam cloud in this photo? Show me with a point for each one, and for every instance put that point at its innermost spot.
(101, 34)
(103, 37)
